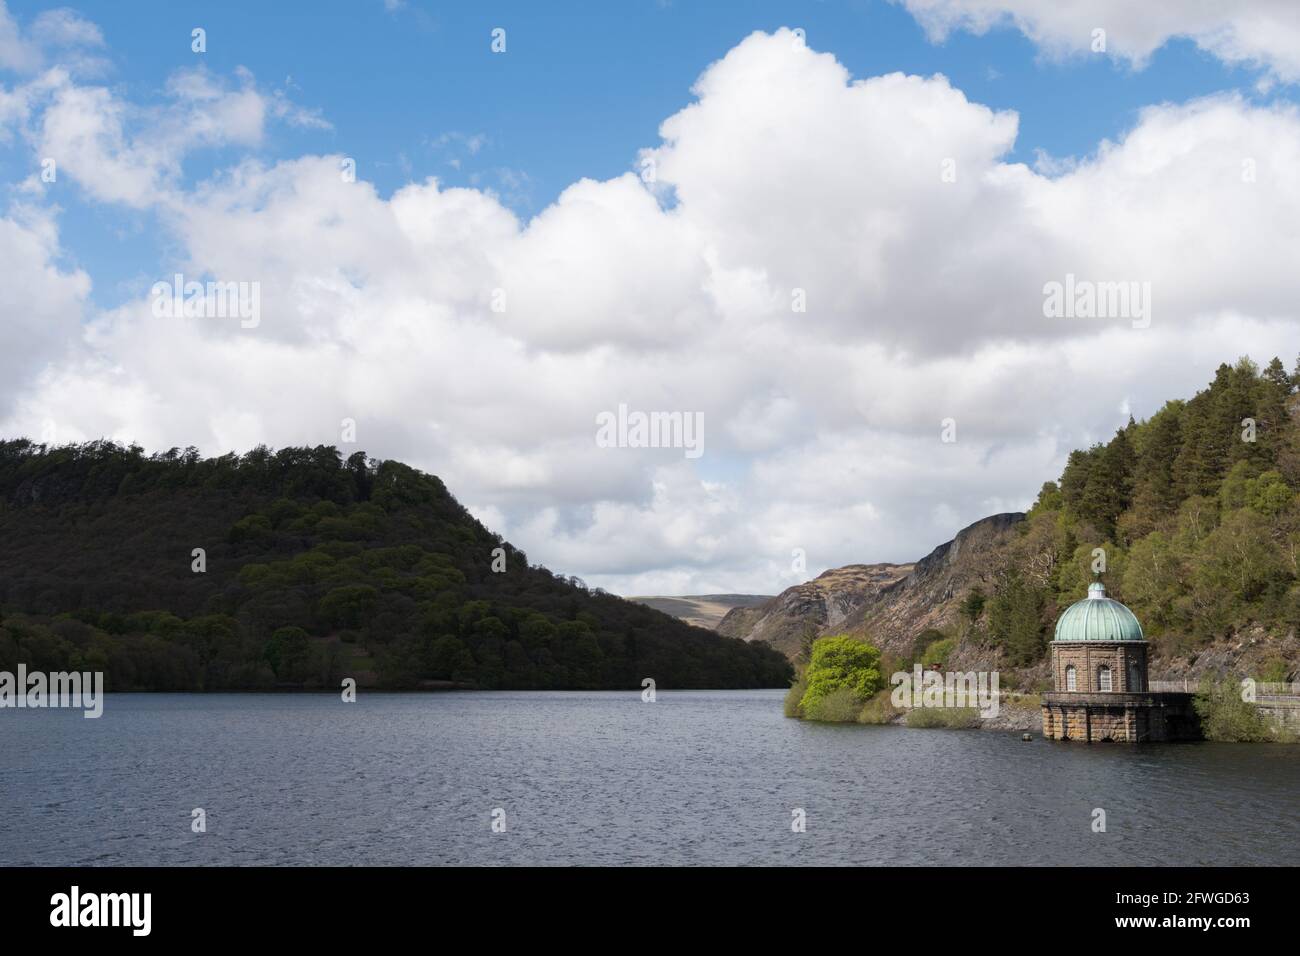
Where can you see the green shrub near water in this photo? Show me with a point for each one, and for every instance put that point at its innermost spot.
(793, 696)
(840, 663)
(952, 717)
(878, 710)
(1227, 718)
(840, 706)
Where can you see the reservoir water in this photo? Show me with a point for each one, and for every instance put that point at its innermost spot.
(603, 778)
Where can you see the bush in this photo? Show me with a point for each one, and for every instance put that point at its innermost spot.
(793, 696)
(938, 652)
(1226, 717)
(840, 706)
(878, 710)
(841, 663)
(1274, 671)
(921, 645)
(973, 604)
(961, 718)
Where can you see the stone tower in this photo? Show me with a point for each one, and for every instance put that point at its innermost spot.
(1099, 674)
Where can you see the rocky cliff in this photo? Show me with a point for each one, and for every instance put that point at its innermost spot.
(820, 606)
(929, 596)
(888, 603)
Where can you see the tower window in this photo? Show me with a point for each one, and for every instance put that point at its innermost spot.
(1071, 682)
(1103, 679)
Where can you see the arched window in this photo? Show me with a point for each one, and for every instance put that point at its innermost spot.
(1103, 679)
(1071, 682)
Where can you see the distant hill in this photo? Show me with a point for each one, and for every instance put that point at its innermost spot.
(815, 607)
(702, 610)
(316, 568)
(889, 604)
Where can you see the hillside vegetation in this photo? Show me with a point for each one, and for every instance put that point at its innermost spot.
(1191, 518)
(316, 568)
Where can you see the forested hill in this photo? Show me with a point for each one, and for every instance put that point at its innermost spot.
(316, 568)
(1196, 517)
(1192, 518)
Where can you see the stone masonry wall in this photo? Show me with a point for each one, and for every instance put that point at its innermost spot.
(1087, 657)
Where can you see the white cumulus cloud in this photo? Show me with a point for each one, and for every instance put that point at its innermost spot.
(888, 201)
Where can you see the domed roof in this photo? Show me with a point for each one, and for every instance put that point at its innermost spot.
(1098, 618)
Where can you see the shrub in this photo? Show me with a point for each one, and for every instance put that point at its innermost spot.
(1226, 717)
(793, 696)
(973, 604)
(840, 663)
(1274, 671)
(878, 710)
(921, 645)
(951, 717)
(938, 652)
(840, 706)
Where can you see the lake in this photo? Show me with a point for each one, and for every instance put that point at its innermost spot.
(704, 777)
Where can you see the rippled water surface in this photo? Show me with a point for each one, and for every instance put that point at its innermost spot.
(602, 778)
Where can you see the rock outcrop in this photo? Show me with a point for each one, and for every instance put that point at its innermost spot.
(890, 604)
(819, 606)
(930, 596)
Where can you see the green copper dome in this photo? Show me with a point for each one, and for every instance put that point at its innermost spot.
(1098, 618)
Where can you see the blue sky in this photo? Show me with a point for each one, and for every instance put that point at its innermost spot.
(415, 91)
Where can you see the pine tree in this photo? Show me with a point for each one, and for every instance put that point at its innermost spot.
(1276, 374)
(1109, 488)
(1075, 477)
(1155, 491)
(1272, 393)
(1208, 434)
(1015, 619)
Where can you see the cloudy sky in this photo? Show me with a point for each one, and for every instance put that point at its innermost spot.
(826, 228)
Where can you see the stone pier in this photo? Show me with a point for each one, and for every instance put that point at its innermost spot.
(1118, 716)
